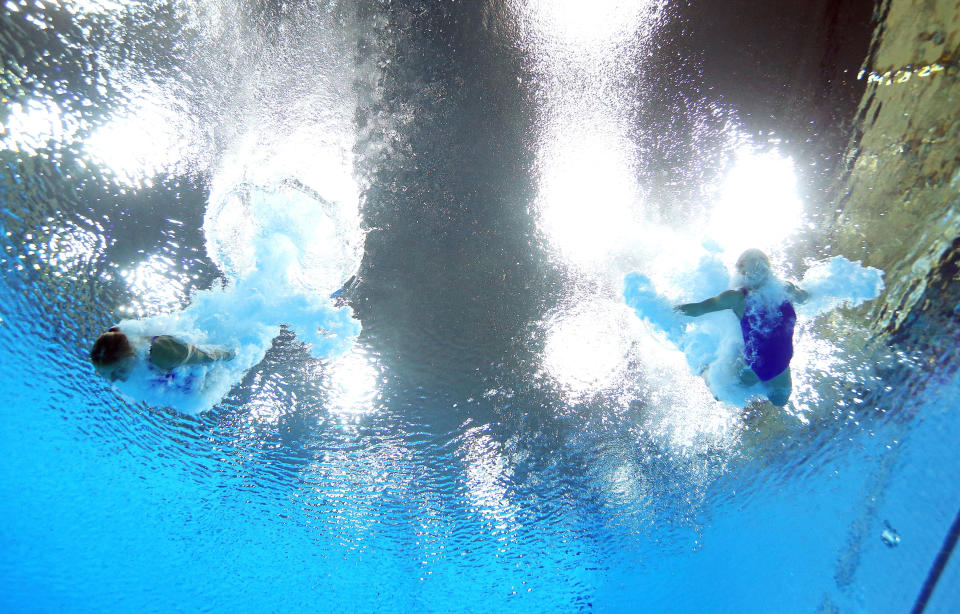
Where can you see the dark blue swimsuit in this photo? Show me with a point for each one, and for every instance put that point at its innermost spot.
(768, 338)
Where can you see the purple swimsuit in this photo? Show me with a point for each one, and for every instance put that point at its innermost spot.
(768, 338)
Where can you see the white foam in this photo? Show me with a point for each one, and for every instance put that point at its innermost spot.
(278, 275)
(838, 282)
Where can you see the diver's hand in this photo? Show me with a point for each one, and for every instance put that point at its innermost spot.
(687, 309)
(797, 294)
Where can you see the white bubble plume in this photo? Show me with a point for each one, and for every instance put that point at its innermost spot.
(284, 249)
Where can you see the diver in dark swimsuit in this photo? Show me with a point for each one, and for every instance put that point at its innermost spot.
(113, 355)
(764, 306)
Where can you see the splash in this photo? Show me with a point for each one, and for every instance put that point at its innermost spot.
(838, 282)
(284, 250)
(712, 343)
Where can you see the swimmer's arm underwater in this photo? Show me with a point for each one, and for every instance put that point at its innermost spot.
(797, 294)
(731, 299)
(167, 353)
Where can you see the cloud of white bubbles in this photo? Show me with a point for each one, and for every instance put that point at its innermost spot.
(687, 375)
(270, 124)
(284, 248)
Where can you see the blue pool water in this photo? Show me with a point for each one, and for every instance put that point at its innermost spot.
(413, 222)
(108, 507)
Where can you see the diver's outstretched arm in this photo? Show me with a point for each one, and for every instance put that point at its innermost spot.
(729, 299)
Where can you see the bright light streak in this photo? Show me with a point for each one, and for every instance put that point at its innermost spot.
(758, 205)
(354, 384)
(96, 6)
(487, 474)
(587, 194)
(587, 348)
(813, 360)
(586, 24)
(150, 139)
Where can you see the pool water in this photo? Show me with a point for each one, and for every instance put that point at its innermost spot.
(475, 421)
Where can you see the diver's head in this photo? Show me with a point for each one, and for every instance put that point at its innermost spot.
(112, 355)
(753, 268)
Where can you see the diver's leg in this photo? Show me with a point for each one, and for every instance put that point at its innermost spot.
(745, 373)
(205, 357)
(223, 354)
(779, 388)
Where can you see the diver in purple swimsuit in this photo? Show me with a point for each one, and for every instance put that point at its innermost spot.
(764, 306)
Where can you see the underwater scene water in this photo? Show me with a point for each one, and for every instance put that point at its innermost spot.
(441, 245)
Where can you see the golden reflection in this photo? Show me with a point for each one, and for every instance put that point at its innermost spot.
(901, 75)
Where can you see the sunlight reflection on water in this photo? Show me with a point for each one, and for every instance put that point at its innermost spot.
(592, 434)
(32, 125)
(150, 137)
(354, 384)
(587, 192)
(156, 285)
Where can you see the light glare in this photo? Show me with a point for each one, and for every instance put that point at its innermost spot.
(31, 126)
(156, 290)
(140, 145)
(587, 348)
(758, 204)
(586, 24)
(353, 384)
(587, 194)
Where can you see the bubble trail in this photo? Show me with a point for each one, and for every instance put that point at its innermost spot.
(284, 250)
